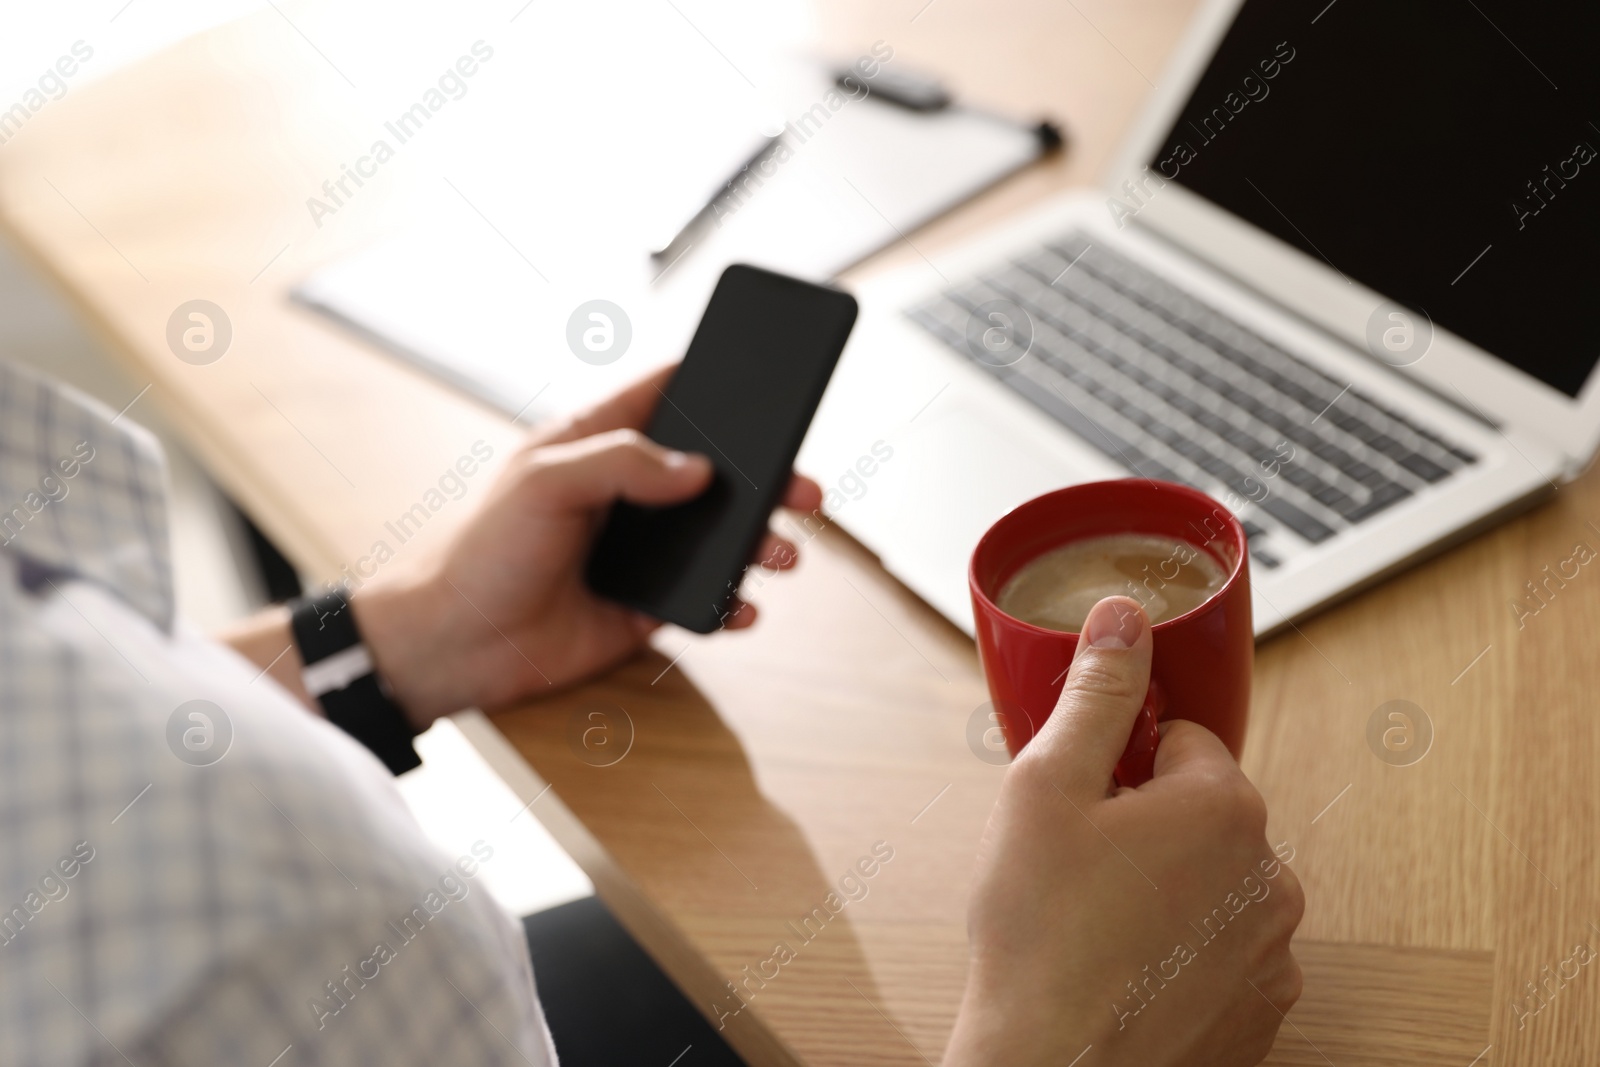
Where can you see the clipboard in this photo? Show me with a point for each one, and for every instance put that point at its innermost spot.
(849, 175)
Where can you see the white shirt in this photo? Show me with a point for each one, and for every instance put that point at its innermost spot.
(227, 882)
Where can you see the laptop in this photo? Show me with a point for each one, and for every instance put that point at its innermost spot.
(1342, 277)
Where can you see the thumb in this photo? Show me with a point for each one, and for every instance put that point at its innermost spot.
(1084, 737)
(617, 465)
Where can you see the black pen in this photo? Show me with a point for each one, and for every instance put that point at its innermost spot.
(686, 232)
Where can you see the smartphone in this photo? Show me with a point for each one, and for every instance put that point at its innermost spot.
(743, 396)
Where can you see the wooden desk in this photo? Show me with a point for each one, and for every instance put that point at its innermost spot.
(764, 765)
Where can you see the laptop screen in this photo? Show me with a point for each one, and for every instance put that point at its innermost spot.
(1445, 154)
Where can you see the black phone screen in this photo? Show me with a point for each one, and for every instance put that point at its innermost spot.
(744, 396)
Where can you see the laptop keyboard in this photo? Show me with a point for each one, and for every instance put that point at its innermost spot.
(1174, 389)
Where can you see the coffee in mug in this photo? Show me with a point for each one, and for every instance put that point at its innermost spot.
(1169, 577)
(1162, 539)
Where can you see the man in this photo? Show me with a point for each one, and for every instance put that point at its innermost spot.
(163, 905)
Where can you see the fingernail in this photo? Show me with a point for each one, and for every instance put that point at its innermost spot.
(679, 460)
(1113, 623)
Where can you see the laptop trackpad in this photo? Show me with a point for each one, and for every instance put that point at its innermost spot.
(953, 473)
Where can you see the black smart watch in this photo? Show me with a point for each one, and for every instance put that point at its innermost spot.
(338, 672)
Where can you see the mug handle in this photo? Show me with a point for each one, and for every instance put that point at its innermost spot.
(1138, 763)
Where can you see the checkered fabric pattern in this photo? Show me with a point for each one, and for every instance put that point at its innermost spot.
(193, 868)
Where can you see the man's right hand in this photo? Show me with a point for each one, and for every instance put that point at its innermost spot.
(1152, 924)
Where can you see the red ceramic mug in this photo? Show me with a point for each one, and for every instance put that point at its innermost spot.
(1202, 659)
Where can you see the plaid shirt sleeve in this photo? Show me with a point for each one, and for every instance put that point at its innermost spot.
(195, 869)
(426, 1006)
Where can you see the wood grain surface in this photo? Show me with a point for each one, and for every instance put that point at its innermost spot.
(762, 768)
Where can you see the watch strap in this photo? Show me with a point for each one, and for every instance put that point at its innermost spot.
(338, 672)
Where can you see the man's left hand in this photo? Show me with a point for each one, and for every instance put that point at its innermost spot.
(503, 612)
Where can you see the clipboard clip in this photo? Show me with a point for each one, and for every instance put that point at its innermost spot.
(924, 93)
